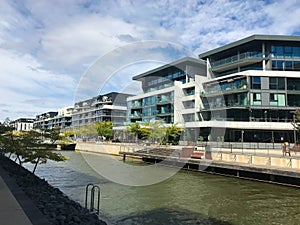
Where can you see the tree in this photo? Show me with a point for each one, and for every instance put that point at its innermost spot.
(66, 137)
(53, 135)
(4, 129)
(28, 146)
(105, 129)
(87, 130)
(296, 122)
(173, 133)
(158, 131)
(141, 132)
(134, 128)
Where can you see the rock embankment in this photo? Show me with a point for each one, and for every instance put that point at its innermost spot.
(56, 206)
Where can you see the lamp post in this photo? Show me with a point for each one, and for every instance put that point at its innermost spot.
(295, 134)
(242, 134)
(273, 138)
(294, 124)
(266, 116)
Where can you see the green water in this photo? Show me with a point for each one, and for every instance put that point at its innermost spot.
(185, 198)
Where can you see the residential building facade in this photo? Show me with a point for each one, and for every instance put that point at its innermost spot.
(61, 118)
(168, 93)
(22, 124)
(108, 107)
(253, 89)
(245, 91)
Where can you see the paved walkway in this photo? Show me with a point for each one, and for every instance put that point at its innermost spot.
(15, 207)
(11, 213)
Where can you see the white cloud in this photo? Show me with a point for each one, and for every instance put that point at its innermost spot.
(46, 46)
(85, 37)
(26, 87)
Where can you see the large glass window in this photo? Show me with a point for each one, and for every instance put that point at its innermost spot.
(277, 99)
(189, 117)
(256, 83)
(189, 104)
(255, 98)
(293, 84)
(277, 83)
(294, 100)
(189, 91)
(285, 65)
(285, 52)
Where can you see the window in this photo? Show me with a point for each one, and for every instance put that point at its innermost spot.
(189, 91)
(293, 84)
(256, 83)
(189, 117)
(189, 104)
(277, 83)
(294, 100)
(255, 98)
(277, 99)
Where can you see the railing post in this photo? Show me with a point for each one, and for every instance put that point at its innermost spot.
(92, 198)
(86, 193)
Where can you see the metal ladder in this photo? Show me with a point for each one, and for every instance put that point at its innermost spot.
(92, 188)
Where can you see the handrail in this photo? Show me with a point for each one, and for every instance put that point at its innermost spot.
(92, 198)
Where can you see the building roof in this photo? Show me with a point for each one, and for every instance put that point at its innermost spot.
(28, 120)
(179, 63)
(256, 37)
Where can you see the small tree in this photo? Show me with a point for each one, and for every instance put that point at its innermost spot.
(53, 135)
(173, 133)
(296, 122)
(158, 131)
(28, 147)
(88, 130)
(141, 132)
(105, 129)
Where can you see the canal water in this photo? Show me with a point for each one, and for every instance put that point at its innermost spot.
(186, 198)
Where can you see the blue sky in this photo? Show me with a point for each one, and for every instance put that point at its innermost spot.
(47, 47)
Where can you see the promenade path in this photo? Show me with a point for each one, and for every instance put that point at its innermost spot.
(15, 207)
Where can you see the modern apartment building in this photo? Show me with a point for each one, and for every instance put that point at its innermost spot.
(22, 124)
(245, 91)
(108, 107)
(253, 89)
(169, 93)
(61, 118)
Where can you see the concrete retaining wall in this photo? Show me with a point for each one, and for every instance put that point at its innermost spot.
(273, 161)
(106, 148)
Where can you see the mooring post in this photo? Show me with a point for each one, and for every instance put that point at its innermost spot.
(124, 157)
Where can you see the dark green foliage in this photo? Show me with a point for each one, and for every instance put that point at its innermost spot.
(156, 132)
(53, 135)
(27, 146)
(105, 129)
(141, 132)
(173, 134)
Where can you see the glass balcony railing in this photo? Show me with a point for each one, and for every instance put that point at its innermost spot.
(136, 105)
(236, 58)
(217, 89)
(214, 105)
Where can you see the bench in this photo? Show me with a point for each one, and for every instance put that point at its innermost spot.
(295, 148)
(197, 155)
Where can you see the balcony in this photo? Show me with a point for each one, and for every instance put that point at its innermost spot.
(241, 59)
(164, 112)
(136, 105)
(217, 106)
(136, 115)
